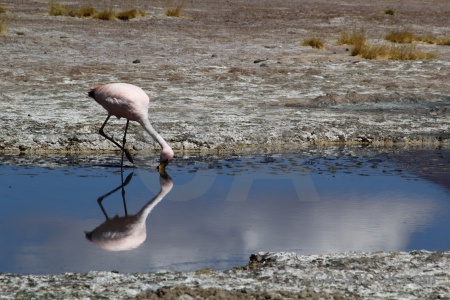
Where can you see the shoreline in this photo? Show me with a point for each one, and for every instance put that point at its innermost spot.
(374, 275)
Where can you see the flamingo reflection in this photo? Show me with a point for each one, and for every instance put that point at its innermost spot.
(128, 232)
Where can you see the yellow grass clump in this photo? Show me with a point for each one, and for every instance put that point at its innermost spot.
(57, 9)
(436, 40)
(401, 37)
(383, 51)
(105, 14)
(360, 47)
(84, 12)
(313, 42)
(2, 20)
(173, 10)
(2, 25)
(370, 51)
(131, 14)
(409, 53)
(355, 37)
(407, 37)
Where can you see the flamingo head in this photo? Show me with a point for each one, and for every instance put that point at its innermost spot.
(166, 155)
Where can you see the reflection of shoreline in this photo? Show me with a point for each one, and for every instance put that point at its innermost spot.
(221, 161)
(127, 232)
(432, 165)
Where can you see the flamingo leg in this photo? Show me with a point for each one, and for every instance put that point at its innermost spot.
(123, 189)
(124, 140)
(103, 134)
(122, 186)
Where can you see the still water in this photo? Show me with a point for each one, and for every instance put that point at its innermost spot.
(77, 214)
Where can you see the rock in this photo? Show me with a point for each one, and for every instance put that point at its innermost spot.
(257, 61)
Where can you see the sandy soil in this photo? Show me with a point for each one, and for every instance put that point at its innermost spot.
(207, 92)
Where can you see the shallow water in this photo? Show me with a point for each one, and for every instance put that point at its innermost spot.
(219, 210)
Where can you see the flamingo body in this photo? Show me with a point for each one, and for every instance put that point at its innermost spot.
(128, 101)
(122, 100)
(120, 233)
(128, 232)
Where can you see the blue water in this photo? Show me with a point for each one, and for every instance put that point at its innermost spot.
(218, 211)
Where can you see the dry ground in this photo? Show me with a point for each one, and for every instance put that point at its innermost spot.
(207, 92)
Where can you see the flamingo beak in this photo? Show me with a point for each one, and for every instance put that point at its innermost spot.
(162, 169)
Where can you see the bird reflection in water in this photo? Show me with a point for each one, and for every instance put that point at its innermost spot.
(127, 232)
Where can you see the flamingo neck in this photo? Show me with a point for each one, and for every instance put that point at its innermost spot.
(145, 123)
(146, 210)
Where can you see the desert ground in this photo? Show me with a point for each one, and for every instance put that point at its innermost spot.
(229, 76)
(224, 75)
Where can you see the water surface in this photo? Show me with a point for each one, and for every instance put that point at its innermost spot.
(219, 210)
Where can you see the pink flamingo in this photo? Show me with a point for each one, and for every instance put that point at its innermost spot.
(128, 232)
(128, 101)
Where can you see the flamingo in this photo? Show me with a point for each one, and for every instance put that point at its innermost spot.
(128, 101)
(127, 232)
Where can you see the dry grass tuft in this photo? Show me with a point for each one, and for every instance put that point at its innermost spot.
(313, 42)
(131, 14)
(3, 20)
(357, 38)
(3, 25)
(371, 51)
(383, 51)
(401, 37)
(445, 42)
(57, 9)
(360, 47)
(84, 12)
(409, 53)
(105, 14)
(173, 10)
(407, 37)
(437, 40)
